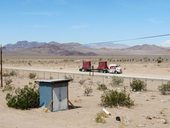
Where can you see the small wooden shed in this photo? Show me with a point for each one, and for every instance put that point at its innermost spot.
(54, 94)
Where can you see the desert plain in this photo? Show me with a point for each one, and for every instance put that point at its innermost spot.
(150, 110)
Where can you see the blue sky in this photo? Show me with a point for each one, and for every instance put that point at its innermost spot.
(84, 21)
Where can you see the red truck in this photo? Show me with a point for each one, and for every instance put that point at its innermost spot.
(102, 67)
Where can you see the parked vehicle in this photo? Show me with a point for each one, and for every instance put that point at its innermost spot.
(114, 68)
(102, 67)
(86, 66)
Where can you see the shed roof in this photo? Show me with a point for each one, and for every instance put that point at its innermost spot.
(54, 80)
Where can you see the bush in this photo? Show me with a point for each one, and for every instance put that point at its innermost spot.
(165, 88)
(5, 74)
(100, 117)
(12, 73)
(159, 60)
(102, 87)
(8, 86)
(88, 91)
(32, 75)
(112, 98)
(25, 98)
(116, 81)
(138, 85)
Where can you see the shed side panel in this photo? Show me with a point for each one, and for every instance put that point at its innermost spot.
(45, 94)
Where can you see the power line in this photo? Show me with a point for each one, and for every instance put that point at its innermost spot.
(139, 38)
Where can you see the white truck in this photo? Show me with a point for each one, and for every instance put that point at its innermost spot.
(115, 69)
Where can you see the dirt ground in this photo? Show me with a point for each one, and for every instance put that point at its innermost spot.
(151, 109)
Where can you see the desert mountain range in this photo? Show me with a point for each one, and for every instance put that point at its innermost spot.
(77, 49)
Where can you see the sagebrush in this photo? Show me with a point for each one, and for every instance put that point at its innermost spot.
(100, 117)
(23, 98)
(116, 81)
(32, 75)
(102, 87)
(88, 90)
(8, 86)
(165, 88)
(112, 98)
(138, 85)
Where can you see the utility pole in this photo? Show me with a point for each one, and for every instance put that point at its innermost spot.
(1, 68)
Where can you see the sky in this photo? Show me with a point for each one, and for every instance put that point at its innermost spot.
(84, 21)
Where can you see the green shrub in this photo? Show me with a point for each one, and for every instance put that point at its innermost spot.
(101, 87)
(165, 88)
(116, 81)
(32, 75)
(12, 73)
(6, 74)
(112, 98)
(25, 98)
(8, 81)
(138, 85)
(159, 60)
(100, 117)
(8, 86)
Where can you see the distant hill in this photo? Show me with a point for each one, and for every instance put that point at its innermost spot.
(147, 49)
(51, 48)
(77, 49)
(23, 44)
(108, 45)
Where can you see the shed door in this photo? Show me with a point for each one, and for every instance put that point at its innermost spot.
(60, 98)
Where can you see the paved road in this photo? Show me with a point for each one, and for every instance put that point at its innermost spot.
(86, 73)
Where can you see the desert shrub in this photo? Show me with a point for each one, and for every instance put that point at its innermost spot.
(165, 88)
(6, 74)
(101, 87)
(12, 73)
(138, 85)
(100, 117)
(8, 86)
(32, 75)
(88, 90)
(116, 81)
(25, 98)
(159, 60)
(112, 98)
(8, 81)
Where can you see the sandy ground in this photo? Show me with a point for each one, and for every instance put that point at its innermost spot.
(151, 108)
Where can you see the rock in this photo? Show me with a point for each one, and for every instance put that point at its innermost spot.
(118, 118)
(163, 121)
(149, 117)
